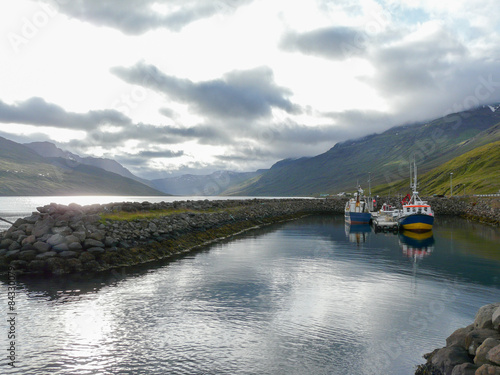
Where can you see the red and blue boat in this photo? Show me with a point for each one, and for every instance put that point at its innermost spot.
(416, 215)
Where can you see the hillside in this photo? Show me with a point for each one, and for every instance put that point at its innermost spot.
(476, 171)
(24, 172)
(385, 156)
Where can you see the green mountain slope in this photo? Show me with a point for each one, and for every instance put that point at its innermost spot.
(385, 156)
(476, 171)
(24, 172)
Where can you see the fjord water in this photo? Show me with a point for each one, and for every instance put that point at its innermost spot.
(302, 297)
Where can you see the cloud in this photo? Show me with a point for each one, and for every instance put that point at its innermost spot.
(36, 111)
(241, 94)
(337, 43)
(136, 17)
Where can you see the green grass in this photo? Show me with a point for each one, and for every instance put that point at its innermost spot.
(475, 172)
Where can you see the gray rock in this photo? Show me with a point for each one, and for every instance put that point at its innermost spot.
(95, 250)
(495, 318)
(72, 238)
(27, 255)
(457, 338)
(494, 355)
(37, 265)
(55, 239)
(33, 218)
(110, 241)
(81, 235)
(19, 222)
(4, 244)
(60, 247)
(19, 264)
(97, 235)
(484, 315)
(483, 349)
(488, 370)
(14, 246)
(12, 254)
(68, 254)
(75, 246)
(89, 243)
(475, 338)
(46, 255)
(86, 257)
(41, 247)
(29, 240)
(465, 369)
(63, 231)
(447, 358)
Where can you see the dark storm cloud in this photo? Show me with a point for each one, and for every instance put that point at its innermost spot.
(335, 43)
(139, 16)
(248, 94)
(142, 157)
(36, 111)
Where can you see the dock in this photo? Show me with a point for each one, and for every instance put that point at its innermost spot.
(384, 222)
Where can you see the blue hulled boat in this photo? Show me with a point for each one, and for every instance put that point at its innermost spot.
(416, 215)
(356, 209)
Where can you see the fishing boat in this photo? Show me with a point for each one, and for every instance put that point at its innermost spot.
(356, 209)
(416, 215)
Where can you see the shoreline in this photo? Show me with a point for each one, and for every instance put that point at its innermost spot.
(59, 239)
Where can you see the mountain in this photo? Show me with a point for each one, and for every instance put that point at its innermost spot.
(385, 157)
(216, 183)
(476, 171)
(24, 172)
(50, 150)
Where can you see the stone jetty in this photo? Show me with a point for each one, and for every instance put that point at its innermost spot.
(60, 239)
(472, 350)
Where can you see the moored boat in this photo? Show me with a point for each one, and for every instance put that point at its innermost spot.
(356, 209)
(416, 215)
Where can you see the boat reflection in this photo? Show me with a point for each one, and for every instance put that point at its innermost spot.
(415, 245)
(357, 233)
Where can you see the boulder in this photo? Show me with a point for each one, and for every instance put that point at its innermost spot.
(95, 250)
(68, 254)
(457, 338)
(46, 255)
(57, 266)
(60, 247)
(4, 244)
(464, 369)
(488, 370)
(495, 318)
(55, 239)
(31, 239)
(41, 247)
(37, 266)
(63, 231)
(483, 349)
(81, 235)
(476, 337)
(484, 316)
(72, 238)
(447, 358)
(12, 255)
(14, 246)
(75, 246)
(494, 355)
(89, 243)
(27, 255)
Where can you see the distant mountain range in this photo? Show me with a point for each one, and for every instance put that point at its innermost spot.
(25, 172)
(464, 143)
(383, 158)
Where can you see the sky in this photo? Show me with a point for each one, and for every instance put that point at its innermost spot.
(168, 87)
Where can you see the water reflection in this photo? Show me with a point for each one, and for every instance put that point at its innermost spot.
(416, 246)
(292, 298)
(357, 233)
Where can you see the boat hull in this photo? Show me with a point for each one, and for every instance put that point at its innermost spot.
(417, 223)
(358, 217)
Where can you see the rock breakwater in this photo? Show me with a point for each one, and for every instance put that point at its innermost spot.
(472, 350)
(59, 239)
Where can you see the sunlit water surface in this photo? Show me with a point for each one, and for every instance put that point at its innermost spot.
(303, 297)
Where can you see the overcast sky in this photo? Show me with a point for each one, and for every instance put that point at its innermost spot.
(177, 86)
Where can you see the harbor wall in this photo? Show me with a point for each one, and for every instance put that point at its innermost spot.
(59, 239)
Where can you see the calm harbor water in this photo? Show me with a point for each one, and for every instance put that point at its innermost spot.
(304, 297)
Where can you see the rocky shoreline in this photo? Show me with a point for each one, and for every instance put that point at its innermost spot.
(473, 350)
(59, 239)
